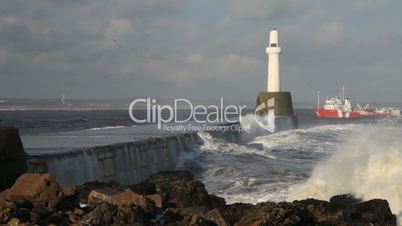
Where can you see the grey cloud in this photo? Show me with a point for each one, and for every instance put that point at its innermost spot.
(261, 9)
(203, 50)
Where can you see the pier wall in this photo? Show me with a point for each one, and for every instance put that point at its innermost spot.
(127, 163)
(13, 160)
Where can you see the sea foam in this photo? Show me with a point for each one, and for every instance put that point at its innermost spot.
(368, 165)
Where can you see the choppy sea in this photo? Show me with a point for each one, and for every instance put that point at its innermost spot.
(320, 159)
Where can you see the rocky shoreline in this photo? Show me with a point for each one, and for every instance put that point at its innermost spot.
(170, 198)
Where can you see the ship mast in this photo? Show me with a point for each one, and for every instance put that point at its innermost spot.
(62, 99)
(343, 93)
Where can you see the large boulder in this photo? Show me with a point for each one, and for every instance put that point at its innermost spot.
(346, 209)
(82, 191)
(344, 201)
(372, 212)
(13, 159)
(118, 198)
(39, 189)
(178, 189)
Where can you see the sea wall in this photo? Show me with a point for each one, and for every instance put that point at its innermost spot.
(12, 156)
(127, 163)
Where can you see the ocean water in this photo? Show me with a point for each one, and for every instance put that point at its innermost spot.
(320, 159)
(270, 166)
(52, 121)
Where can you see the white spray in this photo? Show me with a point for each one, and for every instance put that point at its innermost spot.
(369, 166)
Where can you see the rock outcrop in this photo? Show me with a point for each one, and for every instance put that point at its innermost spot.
(178, 189)
(341, 210)
(13, 159)
(37, 189)
(118, 198)
(171, 198)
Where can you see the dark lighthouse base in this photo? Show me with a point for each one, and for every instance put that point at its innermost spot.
(278, 107)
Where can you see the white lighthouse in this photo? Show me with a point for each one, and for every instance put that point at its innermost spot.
(273, 50)
(274, 103)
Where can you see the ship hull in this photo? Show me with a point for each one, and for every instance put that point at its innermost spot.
(323, 113)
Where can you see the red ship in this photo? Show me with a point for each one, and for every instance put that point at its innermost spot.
(338, 108)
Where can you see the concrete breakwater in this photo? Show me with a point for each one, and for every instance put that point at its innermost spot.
(13, 160)
(126, 155)
(127, 163)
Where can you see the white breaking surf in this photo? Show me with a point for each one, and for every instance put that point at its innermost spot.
(368, 165)
(264, 167)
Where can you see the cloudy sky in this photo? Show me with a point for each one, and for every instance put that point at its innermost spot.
(199, 49)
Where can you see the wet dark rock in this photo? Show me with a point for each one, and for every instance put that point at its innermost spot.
(173, 198)
(322, 211)
(70, 199)
(375, 211)
(344, 201)
(216, 201)
(269, 213)
(183, 215)
(67, 203)
(23, 214)
(234, 212)
(216, 216)
(103, 214)
(133, 215)
(22, 203)
(55, 218)
(82, 191)
(106, 214)
(178, 189)
(170, 215)
(199, 210)
(193, 220)
(38, 213)
(13, 159)
(344, 209)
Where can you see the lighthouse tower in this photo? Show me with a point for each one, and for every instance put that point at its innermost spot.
(273, 50)
(274, 105)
